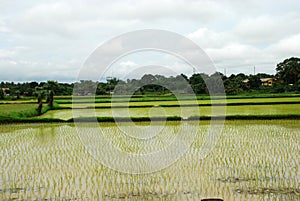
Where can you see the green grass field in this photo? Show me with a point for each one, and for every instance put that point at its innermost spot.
(105, 99)
(15, 110)
(157, 108)
(184, 112)
(186, 102)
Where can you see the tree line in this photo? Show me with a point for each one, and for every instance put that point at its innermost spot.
(286, 79)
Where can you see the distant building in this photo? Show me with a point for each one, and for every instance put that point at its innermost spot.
(5, 91)
(264, 81)
(246, 81)
(267, 81)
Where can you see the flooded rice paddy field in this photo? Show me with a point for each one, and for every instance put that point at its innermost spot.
(252, 160)
(184, 112)
(81, 104)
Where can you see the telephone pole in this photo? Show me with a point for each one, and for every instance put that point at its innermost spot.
(254, 70)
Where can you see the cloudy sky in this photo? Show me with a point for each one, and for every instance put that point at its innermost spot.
(42, 40)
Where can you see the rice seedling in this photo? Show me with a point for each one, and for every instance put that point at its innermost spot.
(252, 160)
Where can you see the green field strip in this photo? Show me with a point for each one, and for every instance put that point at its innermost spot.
(166, 98)
(187, 103)
(184, 112)
(7, 120)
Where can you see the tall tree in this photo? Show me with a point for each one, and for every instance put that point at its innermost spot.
(289, 70)
(40, 93)
(198, 84)
(254, 82)
(51, 86)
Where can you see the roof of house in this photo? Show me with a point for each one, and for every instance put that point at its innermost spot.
(266, 79)
(261, 79)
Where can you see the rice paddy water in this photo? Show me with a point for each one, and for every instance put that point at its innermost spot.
(252, 160)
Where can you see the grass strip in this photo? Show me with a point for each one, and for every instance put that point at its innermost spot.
(186, 96)
(124, 119)
(20, 102)
(247, 117)
(232, 104)
(171, 99)
(8, 120)
(183, 105)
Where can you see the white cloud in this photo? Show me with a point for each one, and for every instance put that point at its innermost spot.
(46, 19)
(12, 70)
(235, 34)
(287, 46)
(267, 29)
(69, 18)
(127, 64)
(233, 52)
(206, 38)
(3, 27)
(6, 53)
